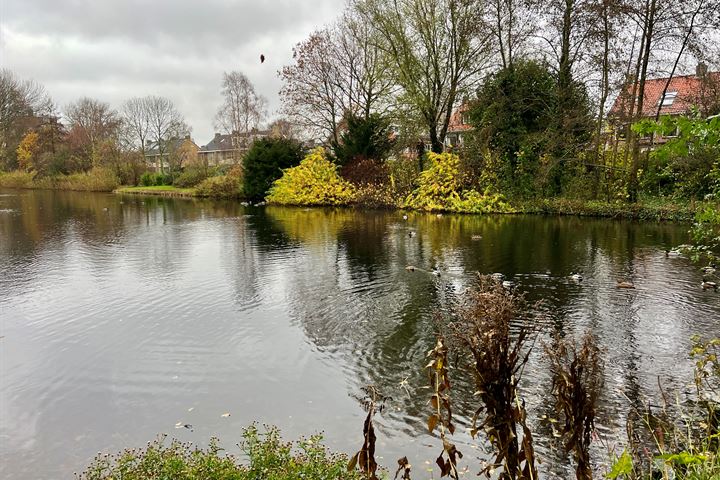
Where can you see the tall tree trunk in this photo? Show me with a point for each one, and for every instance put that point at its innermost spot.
(604, 90)
(649, 31)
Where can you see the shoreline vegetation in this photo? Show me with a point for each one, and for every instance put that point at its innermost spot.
(656, 210)
(102, 180)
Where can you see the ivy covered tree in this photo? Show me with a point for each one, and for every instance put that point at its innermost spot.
(511, 115)
(519, 121)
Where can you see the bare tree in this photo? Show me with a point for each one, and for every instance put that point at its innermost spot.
(242, 108)
(92, 122)
(20, 100)
(337, 71)
(136, 123)
(166, 122)
(310, 94)
(512, 24)
(439, 49)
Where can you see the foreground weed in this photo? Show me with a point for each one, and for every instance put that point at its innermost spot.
(442, 410)
(482, 328)
(577, 383)
(372, 402)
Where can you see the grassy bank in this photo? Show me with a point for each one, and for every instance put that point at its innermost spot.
(163, 190)
(95, 180)
(651, 209)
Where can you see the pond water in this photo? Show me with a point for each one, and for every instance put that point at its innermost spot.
(123, 315)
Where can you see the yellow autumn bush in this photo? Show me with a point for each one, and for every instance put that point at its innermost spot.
(440, 189)
(314, 182)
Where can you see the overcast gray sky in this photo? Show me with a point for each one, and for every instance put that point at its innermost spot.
(116, 49)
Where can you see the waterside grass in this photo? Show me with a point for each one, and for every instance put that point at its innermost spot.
(164, 190)
(95, 180)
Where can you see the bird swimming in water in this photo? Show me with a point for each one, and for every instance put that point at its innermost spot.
(709, 270)
(706, 285)
(576, 277)
(262, 58)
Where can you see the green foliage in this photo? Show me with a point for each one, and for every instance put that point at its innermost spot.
(622, 467)
(266, 160)
(365, 139)
(688, 164)
(149, 179)
(222, 186)
(402, 174)
(705, 234)
(526, 130)
(440, 189)
(272, 459)
(511, 116)
(190, 177)
(269, 458)
(314, 182)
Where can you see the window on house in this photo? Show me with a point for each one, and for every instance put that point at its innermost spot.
(668, 99)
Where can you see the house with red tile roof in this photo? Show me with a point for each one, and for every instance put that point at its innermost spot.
(682, 93)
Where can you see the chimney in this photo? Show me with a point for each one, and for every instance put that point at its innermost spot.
(217, 135)
(701, 70)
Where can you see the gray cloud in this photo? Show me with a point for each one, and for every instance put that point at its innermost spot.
(116, 49)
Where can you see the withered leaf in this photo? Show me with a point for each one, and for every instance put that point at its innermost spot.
(444, 466)
(403, 466)
(432, 422)
(353, 462)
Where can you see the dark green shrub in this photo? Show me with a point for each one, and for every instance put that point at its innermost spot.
(163, 179)
(147, 179)
(265, 162)
(365, 139)
(520, 121)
